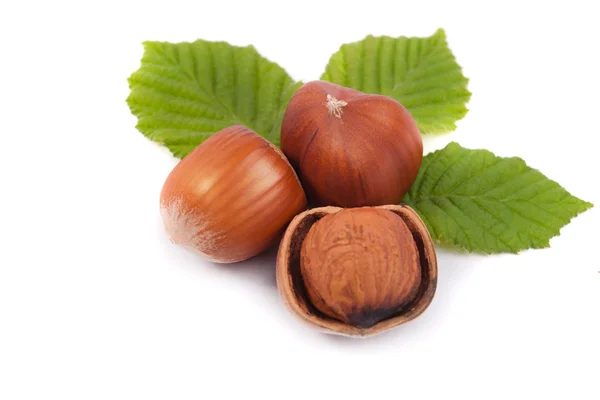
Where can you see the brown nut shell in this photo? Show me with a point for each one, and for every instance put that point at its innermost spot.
(231, 197)
(376, 307)
(350, 149)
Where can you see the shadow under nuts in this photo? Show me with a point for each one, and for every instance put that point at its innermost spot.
(357, 271)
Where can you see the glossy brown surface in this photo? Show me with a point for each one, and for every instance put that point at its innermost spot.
(360, 265)
(349, 148)
(294, 289)
(231, 197)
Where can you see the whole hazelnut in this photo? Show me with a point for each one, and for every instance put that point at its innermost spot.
(357, 271)
(350, 148)
(231, 197)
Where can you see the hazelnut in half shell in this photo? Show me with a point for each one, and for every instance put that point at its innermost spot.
(350, 148)
(231, 197)
(357, 271)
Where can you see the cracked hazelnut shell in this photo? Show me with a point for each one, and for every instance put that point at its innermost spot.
(231, 197)
(357, 272)
(350, 148)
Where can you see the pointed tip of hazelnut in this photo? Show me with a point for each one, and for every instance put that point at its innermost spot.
(335, 106)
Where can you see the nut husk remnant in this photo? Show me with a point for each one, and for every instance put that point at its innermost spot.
(367, 311)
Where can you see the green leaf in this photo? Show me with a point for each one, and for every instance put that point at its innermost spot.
(480, 202)
(421, 73)
(185, 92)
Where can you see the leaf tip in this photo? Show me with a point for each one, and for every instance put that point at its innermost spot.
(585, 205)
(149, 45)
(440, 32)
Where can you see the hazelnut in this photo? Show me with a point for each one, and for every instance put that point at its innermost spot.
(358, 271)
(350, 148)
(231, 197)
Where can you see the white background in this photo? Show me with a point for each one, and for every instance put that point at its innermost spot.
(95, 303)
